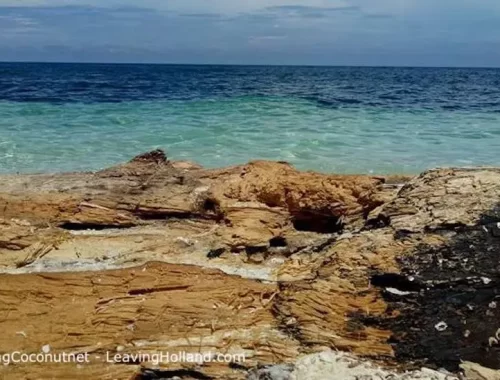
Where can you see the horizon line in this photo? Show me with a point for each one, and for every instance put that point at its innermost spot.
(246, 64)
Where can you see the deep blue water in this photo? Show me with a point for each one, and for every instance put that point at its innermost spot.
(346, 119)
(414, 88)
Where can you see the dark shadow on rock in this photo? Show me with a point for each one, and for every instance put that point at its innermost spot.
(452, 313)
(312, 222)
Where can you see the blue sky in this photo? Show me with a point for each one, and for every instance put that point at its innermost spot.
(323, 32)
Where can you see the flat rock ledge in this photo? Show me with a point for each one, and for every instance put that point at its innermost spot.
(308, 275)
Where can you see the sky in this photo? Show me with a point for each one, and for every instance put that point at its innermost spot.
(300, 32)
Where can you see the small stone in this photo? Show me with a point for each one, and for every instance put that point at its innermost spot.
(291, 321)
(397, 292)
(185, 241)
(441, 326)
(46, 349)
(486, 280)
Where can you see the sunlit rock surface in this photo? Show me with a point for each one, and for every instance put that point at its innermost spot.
(262, 260)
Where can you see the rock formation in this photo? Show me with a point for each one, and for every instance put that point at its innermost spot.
(288, 268)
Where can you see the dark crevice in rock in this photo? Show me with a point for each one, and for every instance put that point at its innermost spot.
(323, 245)
(310, 222)
(181, 180)
(237, 366)
(211, 205)
(212, 213)
(210, 208)
(214, 253)
(493, 229)
(492, 216)
(13, 246)
(402, 234)
(446, 227)
(154, 374)
(155, 215)
(453, 315)
(253, 250)
(73, 226)
(278, 241)
(380, 221)
(396, 281)
(163, 215)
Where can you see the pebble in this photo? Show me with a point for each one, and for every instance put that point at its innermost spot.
(441, 326)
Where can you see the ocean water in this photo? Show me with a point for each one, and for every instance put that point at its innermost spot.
(65, 117)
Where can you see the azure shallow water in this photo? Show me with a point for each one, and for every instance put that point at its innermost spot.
(64, 117)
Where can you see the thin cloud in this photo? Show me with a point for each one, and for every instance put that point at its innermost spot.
(257, 39)
(203, 15)
(303, 11)
(378, 16)
(304, 8)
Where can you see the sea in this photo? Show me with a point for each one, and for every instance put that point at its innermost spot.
(383, 120)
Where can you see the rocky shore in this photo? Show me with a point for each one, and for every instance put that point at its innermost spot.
(310, 276)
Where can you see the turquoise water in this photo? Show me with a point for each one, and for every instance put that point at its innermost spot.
(46, 137)
(66, 117)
